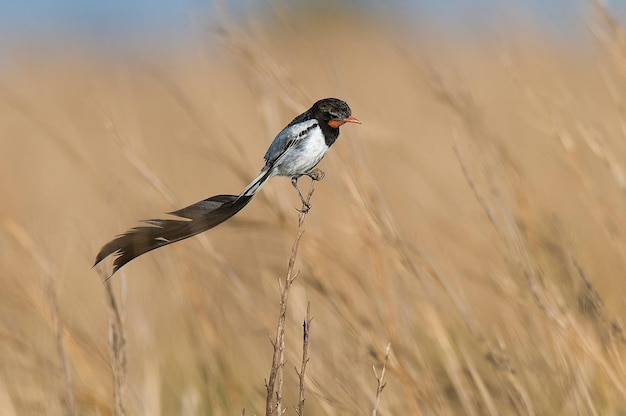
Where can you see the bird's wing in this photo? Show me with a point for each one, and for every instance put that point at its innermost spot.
(287, 138)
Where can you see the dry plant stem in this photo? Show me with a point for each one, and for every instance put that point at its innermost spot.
(117, 349)
(276, 373)
(305, 358)
(58, 329)
(381, 385)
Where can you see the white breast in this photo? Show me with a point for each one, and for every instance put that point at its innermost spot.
(304, 155)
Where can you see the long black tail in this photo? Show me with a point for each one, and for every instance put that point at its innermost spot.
(198, 217)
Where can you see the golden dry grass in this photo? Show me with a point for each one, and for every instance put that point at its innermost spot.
(476, 221)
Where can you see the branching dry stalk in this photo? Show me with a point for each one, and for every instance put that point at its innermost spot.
(275, 382)
(306, 327)
(117, 348)
(380, 379)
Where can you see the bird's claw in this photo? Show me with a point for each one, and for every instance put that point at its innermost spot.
(316, 174)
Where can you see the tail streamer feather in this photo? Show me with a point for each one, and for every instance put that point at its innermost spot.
(198, 217)
(257, 182)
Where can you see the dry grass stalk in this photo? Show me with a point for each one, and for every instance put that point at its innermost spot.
(117, 347)
(275, 381)
(49, 268)
(379, 378)
(70, 402)
(306, 327)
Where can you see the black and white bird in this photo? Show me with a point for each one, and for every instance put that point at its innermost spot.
(295, 152)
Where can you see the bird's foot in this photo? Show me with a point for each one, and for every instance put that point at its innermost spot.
(316, 174)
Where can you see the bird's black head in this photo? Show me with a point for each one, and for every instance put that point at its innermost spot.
(333, 112)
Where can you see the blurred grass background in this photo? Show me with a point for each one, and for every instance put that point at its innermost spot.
(476, 220)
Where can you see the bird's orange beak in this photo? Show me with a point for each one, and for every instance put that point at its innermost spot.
(336, 123)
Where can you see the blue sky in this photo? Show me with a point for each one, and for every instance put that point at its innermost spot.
(121, 22)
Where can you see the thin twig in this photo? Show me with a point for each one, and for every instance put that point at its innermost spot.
(305, 358)
(379, 379)
(275, 381)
